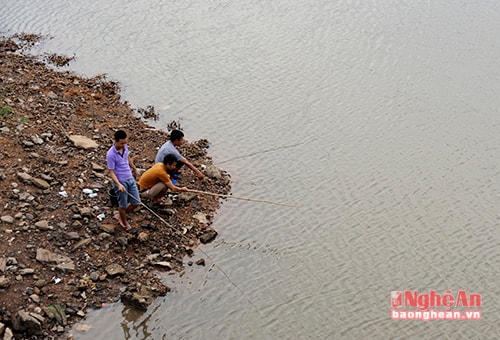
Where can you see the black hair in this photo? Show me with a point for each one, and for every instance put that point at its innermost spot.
(120, 134)
(176, 134)
(169, 159)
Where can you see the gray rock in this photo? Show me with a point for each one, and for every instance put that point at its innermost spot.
(11, 261)
(43, 225)
(4, 282)
(36, 140)
(86, 212)
(123, 241)
(30, 322)
(72, 235)
(136, 300)
(103, 236)
(163, 264)
(94, 276)
(8, 335)
(27, 144)
(47, 135)
(107, 227)
(7, 219)
(208, 236)
(82, 243)
(26, 271)
(186, 196)
(66, 267)
(40, 183)
(213, 172)
(51, 95)
(83, 142)
(3, 264)
(201, 217)
(98, 175)
(151, 257)
(97, 167)
(62, 262)
(35, 298)
(26, 178)
(114, 269)
(46, 177)
(143, 237)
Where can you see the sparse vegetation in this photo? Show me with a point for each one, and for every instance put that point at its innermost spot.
(5, 111)
(59, 60)
(148, 112)
(174, 125)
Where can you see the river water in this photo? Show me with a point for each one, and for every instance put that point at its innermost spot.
(380, 119)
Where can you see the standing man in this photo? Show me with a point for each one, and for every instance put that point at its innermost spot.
(155, 181)
(120, 167)
(176, 139)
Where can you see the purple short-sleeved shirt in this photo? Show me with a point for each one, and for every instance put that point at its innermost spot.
(119, 163)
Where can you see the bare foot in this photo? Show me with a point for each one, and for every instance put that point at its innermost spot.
(128, 228)
(124, 225)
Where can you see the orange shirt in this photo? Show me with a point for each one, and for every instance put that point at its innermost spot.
(157, 173)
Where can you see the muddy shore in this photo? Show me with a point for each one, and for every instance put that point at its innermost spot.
(61, 250)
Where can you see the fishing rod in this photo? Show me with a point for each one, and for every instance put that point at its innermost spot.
(181, 234)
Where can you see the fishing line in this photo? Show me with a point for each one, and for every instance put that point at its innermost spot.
(261, 152)
(242, 198)
(181, 234)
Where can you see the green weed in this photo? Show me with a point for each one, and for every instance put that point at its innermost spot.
(5, 111)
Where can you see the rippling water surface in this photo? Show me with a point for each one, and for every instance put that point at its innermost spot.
(379, 118)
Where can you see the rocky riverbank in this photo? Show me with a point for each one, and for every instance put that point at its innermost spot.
(61, 250)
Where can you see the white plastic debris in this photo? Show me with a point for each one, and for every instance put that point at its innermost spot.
(203, 167)
(92, 195)
(63, 193)
(87, 191)
(56, 280)
(100, 217)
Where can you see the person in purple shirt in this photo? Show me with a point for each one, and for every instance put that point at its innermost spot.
(120, 167)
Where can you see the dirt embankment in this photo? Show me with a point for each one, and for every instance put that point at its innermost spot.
(61, 250)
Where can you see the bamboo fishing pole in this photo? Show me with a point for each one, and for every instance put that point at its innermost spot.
(241, 198)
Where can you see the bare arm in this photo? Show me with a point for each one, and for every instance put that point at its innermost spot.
(115, 180)
(192, 167)
(134, 169)
(176, 188)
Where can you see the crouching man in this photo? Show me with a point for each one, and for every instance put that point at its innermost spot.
(155, 181)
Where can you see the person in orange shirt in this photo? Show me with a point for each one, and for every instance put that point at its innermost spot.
(155, 181)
